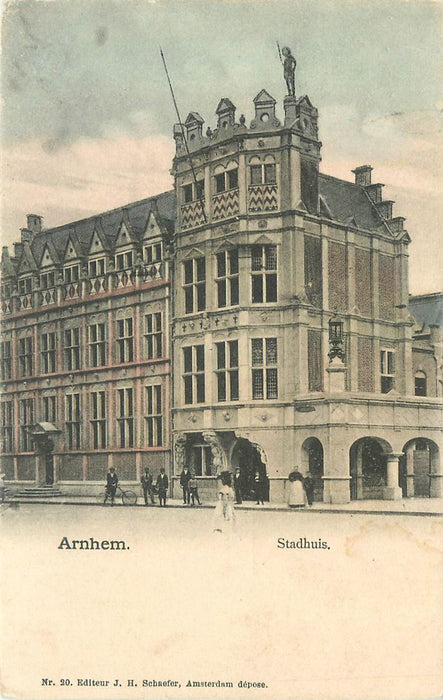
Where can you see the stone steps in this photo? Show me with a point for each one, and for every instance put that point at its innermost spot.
(32, 492)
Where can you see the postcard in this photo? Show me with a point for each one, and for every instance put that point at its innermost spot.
(221, 350)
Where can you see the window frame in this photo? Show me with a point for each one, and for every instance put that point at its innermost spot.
(227, 374)
(387, 370)
(194, 290)
(227, 284)
(125, 340)
(154, 434)
(125, 417)
(193, 357)
(264, 371)
(264, 279)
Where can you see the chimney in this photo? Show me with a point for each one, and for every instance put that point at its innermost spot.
(225, 113)
(18, 249)
(194, 126)
(363, 175)
(34, 223)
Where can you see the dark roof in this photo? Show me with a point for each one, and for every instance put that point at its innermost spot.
(348, 203)
(427, 309)
(107, 225)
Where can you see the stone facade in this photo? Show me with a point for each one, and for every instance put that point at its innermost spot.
(285, 326)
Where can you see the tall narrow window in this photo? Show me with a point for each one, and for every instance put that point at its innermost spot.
(7, 423)
(420, 383)
(227, 278)
(26, 418)
(6, 359)
(125, 417)
(154, 419)
(47, 352)
(98, 419)
(194, 286)
(263, 174)
(264, 273)
(226, 181)
(72, 420)
(153, 335)
(264, 368)
(97, 345)
(72, 348)
(387, 370)
(194, 374)
(25, 285)
(227, 370)
(125, 340)
(25, 356)
(49, 406)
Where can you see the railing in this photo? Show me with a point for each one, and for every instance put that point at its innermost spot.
(48, 296)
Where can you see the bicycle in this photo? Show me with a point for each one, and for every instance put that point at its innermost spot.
(129, 498)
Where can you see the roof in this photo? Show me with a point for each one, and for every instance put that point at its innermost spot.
(107, 225)
(348, 203)
(427, 309)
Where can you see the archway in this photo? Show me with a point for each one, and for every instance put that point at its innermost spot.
(421, 468)
(246, 457)
(312, 464)
(368, 467)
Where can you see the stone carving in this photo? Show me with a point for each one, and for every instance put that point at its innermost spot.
(180, 444)
(218, 461)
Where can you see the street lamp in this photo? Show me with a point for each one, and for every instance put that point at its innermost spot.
(336, 339)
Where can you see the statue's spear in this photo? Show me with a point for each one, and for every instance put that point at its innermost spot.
(279, 52)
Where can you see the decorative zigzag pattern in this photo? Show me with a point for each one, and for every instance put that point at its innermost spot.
(263, 198)
(225, 205)
(192, 215)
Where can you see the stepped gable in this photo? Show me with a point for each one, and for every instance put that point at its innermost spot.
(136, 214)
(346, 201)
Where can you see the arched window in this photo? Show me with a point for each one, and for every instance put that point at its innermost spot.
(420, 383)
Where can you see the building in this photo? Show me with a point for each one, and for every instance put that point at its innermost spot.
(257, 316)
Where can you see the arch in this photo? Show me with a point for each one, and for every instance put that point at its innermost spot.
(368, 467)
(312, 463)
(249, 457)
(420, 469)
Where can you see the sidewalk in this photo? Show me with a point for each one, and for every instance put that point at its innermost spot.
(407, 506)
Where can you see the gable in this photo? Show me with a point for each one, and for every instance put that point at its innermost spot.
(152, 229)
(47, 259)
(71, 251)
(124, 238)
(96, 245)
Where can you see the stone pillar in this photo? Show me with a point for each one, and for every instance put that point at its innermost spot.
(392, 492)
(410, 492)
(336, 465)
(336, 489)
(435, 475)
(337, 376)
(359, 471)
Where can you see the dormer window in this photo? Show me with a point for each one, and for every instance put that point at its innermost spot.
(47, 280)
(153, 253)
(97, 267)
(25, 285)
(72, 274)
(123, 261)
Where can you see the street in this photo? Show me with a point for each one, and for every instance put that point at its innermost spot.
(182, 601)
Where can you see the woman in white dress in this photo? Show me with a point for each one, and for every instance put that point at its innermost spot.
(296, 491)
(224, 514)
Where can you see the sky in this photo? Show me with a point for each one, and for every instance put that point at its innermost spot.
(87, 114)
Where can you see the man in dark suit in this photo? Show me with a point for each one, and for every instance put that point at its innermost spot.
(146, 482)
(111, 485)
(162, 487)
(238, 486)
(185, 477)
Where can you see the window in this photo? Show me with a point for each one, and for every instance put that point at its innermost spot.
(263, 174)
(7, 422)
(153, 252)
(226, 181)
(387, 370)
(420, 383)
(73, 421)
(47, 280)
(25, 356)
(72, 274)
(125, 340)
(97, 345)
(194, 374)
(264, 368)
(6, 290)
(154, 422)
(227, 278)
(264, 273)
(5, 359)
(123, 261)
(47, 352)
(26, 417)
(153, 335)
(202, 460)
(194, 285)
(25, 285)
(49, 405)
(72, 349)
(125, 417)
(97, 267)
(193, 191)
(227, 370)
(98, 419)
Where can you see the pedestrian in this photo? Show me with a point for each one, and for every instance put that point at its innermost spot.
(296, 491)
(308, 483)
(193, 489)
(147, 486)
(238, 486)
(259, 487)
(224, 514)
(185, 477)
(162, 487)
(111, 485)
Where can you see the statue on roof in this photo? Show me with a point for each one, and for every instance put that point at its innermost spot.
(289, 64)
